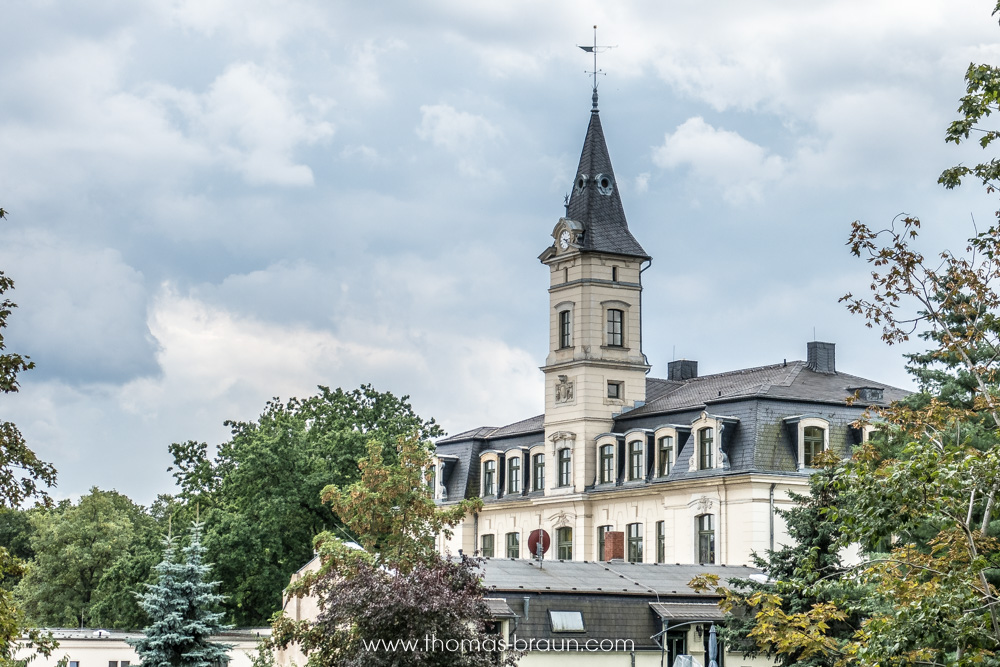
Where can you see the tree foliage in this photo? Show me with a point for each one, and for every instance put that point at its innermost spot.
(89, 560)
(397, 587)
(260, 494)
(23, 476)
(182, 604)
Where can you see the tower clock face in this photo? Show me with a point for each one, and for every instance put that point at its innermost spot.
(564, 239)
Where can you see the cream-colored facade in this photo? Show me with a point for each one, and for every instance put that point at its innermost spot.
(692, 469)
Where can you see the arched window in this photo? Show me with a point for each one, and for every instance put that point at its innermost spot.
(514, 473)
(607, 464)
(812, 444)
(490, 478)
(706, 448)
(706, 538)
(666, 452)
(636, 460)
(513, 545)
(538, 472)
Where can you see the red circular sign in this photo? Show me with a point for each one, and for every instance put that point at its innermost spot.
(536, 536)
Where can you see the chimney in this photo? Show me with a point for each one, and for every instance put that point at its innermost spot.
(821, 357)
(614, 545)
(682, 369)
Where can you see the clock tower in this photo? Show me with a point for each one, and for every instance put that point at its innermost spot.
(595, 366)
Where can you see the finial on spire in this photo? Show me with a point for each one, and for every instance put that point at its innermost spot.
(595, 49)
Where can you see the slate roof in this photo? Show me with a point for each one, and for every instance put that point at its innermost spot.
(610, 578)
(602, 215)
(530, 425)
(791, 380)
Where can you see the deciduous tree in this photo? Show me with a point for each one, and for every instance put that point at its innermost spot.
(260, 494)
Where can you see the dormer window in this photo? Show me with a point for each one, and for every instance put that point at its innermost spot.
(635, 460)
(666, 452)
(607, 464)
(812, 444)
(490, 478)
(706, 449)
(538, 472)
(514, 474)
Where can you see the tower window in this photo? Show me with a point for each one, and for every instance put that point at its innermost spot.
(615, 323)
(614, 274)
(812, 444)
(538, 472)
(565, 329)
(615, 390)
(514, 474)
(564, 543)
(666, 453)
(607, 464)
(565, 470)
(635, 543)
(706, 539)
(635, 460)
(706, 449)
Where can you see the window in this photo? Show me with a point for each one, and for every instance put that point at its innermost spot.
(538, 472)
(812, 444)
(566, 621)
(564, 543)
(635, 460)
(666, 454)
(614, 274)
(513, 545)
(661, 542)
(565, 469)
(615, 320)
(602, 532)
(607, 464)
(124, 663)
(706, 449)
(635, 543)
(565, 329)
(74, 663)
(706, 539)
(112, 663)
(431, 477)
(514, 474)
(615, 390)
(490, 478)
(487, 550)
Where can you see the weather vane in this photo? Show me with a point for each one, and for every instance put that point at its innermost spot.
(595, 49)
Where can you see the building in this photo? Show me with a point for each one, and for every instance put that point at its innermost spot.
(611, 612)
(85, 647)
(688, 468)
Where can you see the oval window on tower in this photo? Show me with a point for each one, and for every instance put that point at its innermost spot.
(604, 184)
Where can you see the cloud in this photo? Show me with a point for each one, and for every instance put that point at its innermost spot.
(82, 311)
(460, 133)
(741, 168)
(249, 121)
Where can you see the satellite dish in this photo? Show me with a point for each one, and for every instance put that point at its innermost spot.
(538, 536)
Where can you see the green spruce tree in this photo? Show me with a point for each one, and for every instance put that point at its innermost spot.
(807, 573)
(182, 603)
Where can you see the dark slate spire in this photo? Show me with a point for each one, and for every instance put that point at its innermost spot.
(595, 202)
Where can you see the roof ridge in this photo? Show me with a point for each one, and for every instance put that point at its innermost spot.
(744, 371)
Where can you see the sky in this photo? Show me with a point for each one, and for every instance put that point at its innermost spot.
(216, 202)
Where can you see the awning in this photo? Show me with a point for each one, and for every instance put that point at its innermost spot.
(687, 611)
(499, 608)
